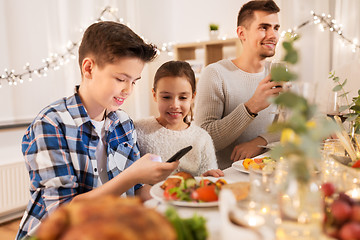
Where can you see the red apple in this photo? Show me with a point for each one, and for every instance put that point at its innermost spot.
(350, 231)
(355, 213)
(341, 210)
(328, 189)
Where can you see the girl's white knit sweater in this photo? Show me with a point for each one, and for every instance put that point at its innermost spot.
(154, 138)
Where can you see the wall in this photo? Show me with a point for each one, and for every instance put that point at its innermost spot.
(34, 28)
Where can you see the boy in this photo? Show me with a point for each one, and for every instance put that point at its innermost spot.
(84, 147)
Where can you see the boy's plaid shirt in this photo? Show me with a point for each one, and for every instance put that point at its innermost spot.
(59, 149)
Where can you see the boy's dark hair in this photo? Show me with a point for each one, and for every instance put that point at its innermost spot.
(109, 41)
(177, 69)
(246, 12)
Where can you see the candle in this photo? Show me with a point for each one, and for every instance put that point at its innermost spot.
(354, 194)
(254, 220)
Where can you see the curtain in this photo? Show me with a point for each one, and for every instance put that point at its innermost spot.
(313, 46)
(345, 62)
(34, 29)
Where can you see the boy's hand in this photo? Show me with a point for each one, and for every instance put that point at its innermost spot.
(264, 90)
(213, 173)
(149, 171)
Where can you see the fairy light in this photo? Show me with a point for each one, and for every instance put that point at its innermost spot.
(325, 22)
(55, 60)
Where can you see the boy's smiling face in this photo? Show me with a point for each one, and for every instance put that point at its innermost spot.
(107, 88)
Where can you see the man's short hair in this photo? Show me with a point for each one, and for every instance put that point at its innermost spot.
(109, 41)
(246, 12)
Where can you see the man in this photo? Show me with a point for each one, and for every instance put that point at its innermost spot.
(233, 95)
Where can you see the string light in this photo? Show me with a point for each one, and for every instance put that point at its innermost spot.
(325, 22)
(55, 61)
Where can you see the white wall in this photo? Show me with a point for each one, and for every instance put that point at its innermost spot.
(33, 29)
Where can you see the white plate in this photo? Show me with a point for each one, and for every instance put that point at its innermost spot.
(157, 193)
(270, 145)
(238, 165)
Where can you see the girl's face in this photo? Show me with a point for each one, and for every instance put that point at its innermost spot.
(174, 98)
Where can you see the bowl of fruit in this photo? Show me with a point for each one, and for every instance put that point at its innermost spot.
(342, 214)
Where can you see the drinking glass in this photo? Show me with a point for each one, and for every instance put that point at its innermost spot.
(280, 113)
(264, 191)
(333, 105)
(305, 89)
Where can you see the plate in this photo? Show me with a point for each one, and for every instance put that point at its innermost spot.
(270, 145)
(157, 193)
(238, 165)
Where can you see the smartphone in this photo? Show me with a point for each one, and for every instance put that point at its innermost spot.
(179, 154)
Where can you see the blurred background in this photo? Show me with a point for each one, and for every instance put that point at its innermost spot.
(33, 31)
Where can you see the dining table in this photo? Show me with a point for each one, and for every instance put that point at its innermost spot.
(218, 223)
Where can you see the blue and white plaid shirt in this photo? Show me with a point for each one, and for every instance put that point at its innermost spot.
(59, 149)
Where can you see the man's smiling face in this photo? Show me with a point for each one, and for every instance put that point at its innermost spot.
(262, 34)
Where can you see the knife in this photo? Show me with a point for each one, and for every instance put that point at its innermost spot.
(179, 154)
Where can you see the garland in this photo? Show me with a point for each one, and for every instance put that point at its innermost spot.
(55, 61)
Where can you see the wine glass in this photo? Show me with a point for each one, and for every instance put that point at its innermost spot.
(280, 113)
(333, 107)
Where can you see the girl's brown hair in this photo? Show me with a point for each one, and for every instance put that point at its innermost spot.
(177, 69)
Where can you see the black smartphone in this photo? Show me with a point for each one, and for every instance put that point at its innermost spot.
(179, 154)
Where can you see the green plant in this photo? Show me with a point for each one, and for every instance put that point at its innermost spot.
(303, 131)
(193, 228)
(213, 27)
(353, 107)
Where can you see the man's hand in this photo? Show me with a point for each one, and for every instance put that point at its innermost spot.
(248, 149)
(263, 92)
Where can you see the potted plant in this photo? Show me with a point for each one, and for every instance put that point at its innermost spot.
(214, 31)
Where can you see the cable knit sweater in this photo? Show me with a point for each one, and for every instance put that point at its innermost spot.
(154, 138)
(222, 90)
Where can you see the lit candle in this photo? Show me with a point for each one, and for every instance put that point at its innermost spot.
(354, 194)
(254, 220)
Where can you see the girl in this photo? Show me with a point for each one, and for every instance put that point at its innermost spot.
(174, 92)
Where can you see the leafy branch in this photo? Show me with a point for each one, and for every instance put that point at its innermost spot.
(353, 108)
(302, 132)
(281, 73)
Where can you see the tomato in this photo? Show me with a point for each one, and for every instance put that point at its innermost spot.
(258, 160)
(168, 195)
(206, 194)
(356, 164)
